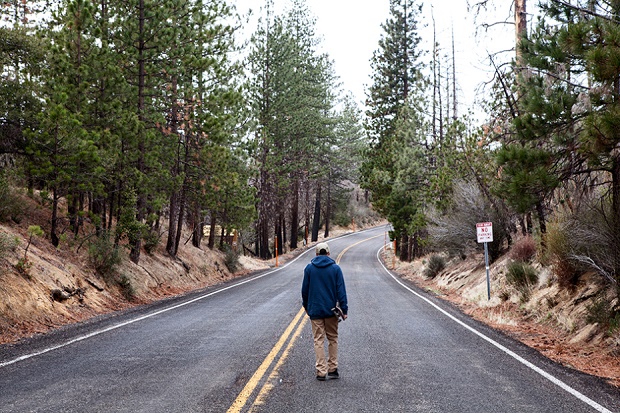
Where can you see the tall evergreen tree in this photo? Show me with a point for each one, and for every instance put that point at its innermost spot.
(271, 66)
(396, 66)
(397, 90)
(570, 95)
(343, 161)
(21, 56)
(62, 152)
(145, 38)
(292, 100)
(203, 101)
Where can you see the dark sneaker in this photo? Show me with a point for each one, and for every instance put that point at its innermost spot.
(333, 374)
(320, 378)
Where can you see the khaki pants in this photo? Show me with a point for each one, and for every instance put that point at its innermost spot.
(325, 328)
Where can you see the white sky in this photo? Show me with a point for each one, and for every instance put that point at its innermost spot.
(350, 31)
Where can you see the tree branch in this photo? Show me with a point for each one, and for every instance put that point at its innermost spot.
(585, 11)
(583, 259)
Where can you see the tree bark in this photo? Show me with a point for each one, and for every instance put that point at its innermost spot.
(172, 243)
(279, 230)
(180, 218)
(212, 233)
(316, 222)
(520, 27)
(172, 224)
(404, 247)
(134, 255)
(294, 215)
(54, 229)
(328, 209)
(615, 192)
(198, 225)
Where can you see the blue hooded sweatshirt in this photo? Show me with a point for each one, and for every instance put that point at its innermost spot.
(323, 288)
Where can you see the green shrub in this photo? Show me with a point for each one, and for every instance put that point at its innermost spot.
(126, 288)
(151, 241)
(231, 258)
(10, 205)
(104, 256)
(7, 243)
(23, 265)
(521, 275)
(436, 264)
(602, 313)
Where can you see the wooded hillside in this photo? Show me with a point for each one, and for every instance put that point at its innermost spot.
(133, 121)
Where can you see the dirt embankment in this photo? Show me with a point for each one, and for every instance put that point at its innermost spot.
(548, 319)
(59, 285)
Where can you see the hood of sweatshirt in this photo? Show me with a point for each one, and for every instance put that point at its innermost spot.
(322, 261)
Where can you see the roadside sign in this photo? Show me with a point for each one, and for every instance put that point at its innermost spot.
(484, 231)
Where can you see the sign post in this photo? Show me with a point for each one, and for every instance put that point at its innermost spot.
(484, 232)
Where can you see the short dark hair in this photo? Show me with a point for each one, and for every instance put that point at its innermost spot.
(323, 251)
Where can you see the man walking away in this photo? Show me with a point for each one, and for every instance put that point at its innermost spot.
(323, 290)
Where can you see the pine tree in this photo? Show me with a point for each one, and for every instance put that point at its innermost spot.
(62, 153)
(292, 98)
(201, 113)
(21, 57)
(344, 160)
(396, 68)
(571, 95)
(558, 104)
(396, 90)
(271, 67)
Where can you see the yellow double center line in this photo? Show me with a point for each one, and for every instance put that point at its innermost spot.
(257, 377)
(251, 385)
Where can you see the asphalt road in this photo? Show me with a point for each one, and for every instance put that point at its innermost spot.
(245, 346)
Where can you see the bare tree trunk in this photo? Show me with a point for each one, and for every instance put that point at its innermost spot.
(134, 255)
(72, 211)
(328, 209)
(615, 191)
(454, 98)
(279, 231)
(404, 247)
(54, 229)
(316, 221)
(198, 225)
(181, 219)
(520, 27)
(434, 116)
(172, 224)
(440, 104)
(222, 235)
(257, 241)
(283, 226)
(212, 233)
(295, 215)
(172, 242)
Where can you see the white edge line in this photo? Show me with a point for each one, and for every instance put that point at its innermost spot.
(135, 320)
(512, 354)
(165, 310)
